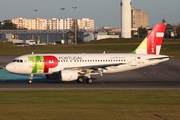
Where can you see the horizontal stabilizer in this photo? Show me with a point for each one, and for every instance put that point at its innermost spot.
(158, 58)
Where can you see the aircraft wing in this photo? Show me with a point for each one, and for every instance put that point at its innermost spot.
(95, 67)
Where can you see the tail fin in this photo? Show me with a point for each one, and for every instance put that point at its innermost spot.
(152, 43)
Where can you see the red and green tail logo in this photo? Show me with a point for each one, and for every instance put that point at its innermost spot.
(152, 43)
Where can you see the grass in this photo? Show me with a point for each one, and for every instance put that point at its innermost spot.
(88, 105)
(170, 47)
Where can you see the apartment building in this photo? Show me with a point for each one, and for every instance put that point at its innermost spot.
(52, 24)
(21, 23)
(86, 24)
(138, 18)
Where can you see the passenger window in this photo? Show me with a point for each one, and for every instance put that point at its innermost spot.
(51, 61)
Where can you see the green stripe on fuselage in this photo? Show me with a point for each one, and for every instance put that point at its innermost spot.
(37, 63)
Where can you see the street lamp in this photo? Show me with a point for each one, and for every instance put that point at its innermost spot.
(35, 10)
(75, 23)
(63, 20)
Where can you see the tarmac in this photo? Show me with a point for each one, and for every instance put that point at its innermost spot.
(164, 76)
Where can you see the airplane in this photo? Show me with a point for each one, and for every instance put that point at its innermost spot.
(80, 67)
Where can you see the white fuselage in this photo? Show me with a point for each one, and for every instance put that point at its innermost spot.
(50, 63)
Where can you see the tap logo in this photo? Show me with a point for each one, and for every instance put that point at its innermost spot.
(42, 64)
(151, 43)
(155, 39)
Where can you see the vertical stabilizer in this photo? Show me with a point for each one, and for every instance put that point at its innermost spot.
(153, 41)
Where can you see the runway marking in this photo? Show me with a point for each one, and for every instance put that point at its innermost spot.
(176, 73)
(149, 73)
(173, 66)
(161, 66)
(102, 83)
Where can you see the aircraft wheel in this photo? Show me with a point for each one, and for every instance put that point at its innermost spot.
(80, 80)
(31, 78)
(30, 81)
(90, 81)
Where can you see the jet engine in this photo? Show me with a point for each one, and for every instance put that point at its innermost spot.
(64, 75)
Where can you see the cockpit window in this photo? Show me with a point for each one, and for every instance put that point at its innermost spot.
(18, 60)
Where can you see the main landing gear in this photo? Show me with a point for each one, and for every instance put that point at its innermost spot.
(30, 78)
(79, 80)
(88, 80)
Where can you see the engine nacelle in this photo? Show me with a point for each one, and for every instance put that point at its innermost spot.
(52, 76)
(68, 75)
(64, 75)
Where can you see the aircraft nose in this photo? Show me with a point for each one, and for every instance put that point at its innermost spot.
(9, 67)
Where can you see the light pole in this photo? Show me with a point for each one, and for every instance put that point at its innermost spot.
(35, 10)
(75, 24)
(63, 20)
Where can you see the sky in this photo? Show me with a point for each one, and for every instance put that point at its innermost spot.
(104, 12)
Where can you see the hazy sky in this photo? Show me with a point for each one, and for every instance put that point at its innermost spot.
(104, 12)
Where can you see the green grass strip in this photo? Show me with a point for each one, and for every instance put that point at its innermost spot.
(88, 105)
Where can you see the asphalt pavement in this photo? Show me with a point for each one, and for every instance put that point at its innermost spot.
(163, 76)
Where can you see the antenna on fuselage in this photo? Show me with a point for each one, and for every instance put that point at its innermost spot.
(32, 53)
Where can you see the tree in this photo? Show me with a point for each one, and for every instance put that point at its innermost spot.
(168, 25)
(142, 32)
(163, 21)
(71, 37)
(178, 30)
(7, 24)
(71, 33)
(75, 23)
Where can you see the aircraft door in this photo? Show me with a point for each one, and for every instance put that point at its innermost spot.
(133, 61)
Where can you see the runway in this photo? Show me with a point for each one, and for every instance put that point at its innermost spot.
(164, 76)
(108, 85)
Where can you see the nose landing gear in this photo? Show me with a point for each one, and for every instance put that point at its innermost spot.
(31, 78)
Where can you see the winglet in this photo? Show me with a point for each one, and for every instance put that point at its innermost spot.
(152, 43)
